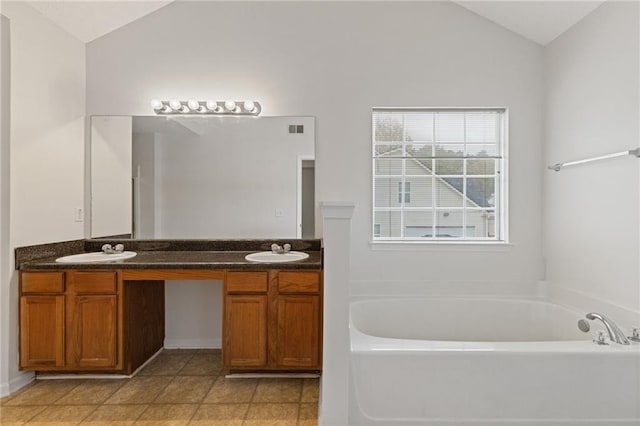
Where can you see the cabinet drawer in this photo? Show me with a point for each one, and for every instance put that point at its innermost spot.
(94, 282)
(247, 282)
(298, 282)
(42, 282)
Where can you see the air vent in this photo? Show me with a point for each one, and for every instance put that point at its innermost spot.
(296, 128)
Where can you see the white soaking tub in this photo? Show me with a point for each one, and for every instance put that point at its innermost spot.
(463, 361)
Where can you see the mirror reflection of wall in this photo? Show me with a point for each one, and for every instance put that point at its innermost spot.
(111, 176)
(222, 177)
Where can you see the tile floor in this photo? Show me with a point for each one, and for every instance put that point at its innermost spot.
(179, 387)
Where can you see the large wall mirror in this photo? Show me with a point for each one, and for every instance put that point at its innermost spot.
(202, 177)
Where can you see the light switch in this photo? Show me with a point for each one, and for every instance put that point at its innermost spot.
(79, 215)
(279, 212)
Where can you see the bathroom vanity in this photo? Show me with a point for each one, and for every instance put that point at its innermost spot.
(108, 317)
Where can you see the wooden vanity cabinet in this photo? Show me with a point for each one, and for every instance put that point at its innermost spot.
(298, 332)
(272, 320)
(245, 319)
(69, 320)
(42, 314)
(84, 320)
(92, 319)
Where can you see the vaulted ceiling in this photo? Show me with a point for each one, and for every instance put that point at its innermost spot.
(540, 21)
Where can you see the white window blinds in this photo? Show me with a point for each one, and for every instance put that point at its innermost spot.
(438, 174)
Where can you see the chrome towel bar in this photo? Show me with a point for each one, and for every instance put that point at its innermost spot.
(558, 166)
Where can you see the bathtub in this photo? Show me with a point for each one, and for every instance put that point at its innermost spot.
(464, 361)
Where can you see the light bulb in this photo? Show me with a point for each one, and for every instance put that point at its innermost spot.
(175, 104)
(250, 106)
(193, 105)
(230, 105)
(212, 106)
(156, 104)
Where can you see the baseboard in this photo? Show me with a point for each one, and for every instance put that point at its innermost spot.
(17, 383)
(215, 343)
(625, 318)
(66, 376)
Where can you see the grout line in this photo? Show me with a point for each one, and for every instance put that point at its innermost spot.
(89, 414)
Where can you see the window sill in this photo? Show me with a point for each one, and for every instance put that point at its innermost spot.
(469, 246)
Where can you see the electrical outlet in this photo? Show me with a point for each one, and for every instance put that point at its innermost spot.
(79, 215)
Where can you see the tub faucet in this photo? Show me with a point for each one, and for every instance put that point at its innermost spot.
(615, 334)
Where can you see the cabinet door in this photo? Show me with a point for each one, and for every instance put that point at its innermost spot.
(92, 319)
(298, 331)
(41, 331)
(245, 331)
(91, 331)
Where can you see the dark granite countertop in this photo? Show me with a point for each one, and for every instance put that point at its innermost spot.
(169, 254)
(181, 260)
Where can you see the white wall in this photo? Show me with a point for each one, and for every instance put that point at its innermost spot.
(335, 61)
(47, 150)
(144, 175)
(6, 311)
(592, 231)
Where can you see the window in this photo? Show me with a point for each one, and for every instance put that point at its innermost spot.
(439, 174)
(404, 192)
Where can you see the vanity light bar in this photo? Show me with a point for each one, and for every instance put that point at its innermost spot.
(175, 106)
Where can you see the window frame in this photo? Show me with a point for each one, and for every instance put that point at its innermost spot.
(502, 174)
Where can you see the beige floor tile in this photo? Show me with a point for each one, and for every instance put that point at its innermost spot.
(189, 376)
(186, 389)
(140, 390)
(308, 411)
(5, 399)
(220, 414)
(278, 390)
(19, 414)
(43, 392)
(202, 364)
(310, 389)
(213, 422)
(69, 414)
(168, 412)
(166, 364)
(231, 390)
(179, 351)
(268, 412)
(124, 413)
(209, 351)
(92, 392)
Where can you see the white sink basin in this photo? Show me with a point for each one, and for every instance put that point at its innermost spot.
(95, 257)
(271, 257)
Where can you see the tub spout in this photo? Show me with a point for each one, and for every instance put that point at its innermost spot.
(615, 334)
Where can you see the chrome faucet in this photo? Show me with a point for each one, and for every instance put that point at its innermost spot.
(280, 249)
(615, 334)
(108, 249)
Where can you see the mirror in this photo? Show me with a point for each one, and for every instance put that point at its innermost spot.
(202, 177)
